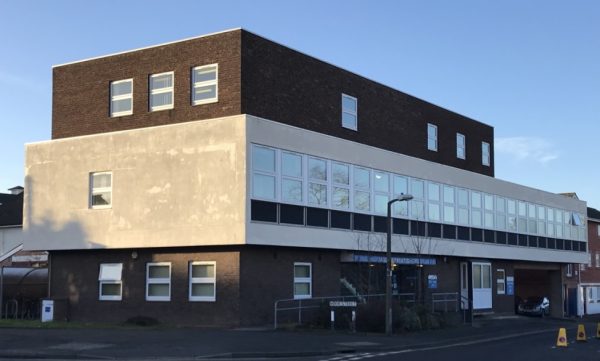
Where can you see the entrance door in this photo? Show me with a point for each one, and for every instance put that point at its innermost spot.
(482, 285)
(464, 286)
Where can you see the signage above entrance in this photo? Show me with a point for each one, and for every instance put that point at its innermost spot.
(363, 258)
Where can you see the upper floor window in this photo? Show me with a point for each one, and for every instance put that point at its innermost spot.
(349, 112)
(101, 190)
(121, 97)
(460, 146)
(599, 229)
(432, 137)
(205, 84)
(485, 153)
(161, 91)
(302, 280)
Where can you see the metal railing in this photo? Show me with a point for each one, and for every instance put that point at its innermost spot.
(445, 299)
(304, 304)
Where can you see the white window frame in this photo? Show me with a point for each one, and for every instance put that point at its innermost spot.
(485, 153)
(115, 281)
(434, 137)
(569, 270)
(114, 98)
(598, 228)
(346, 187)
(350, 111)
(501, 281)
(94, 191)
(170, 89)
(461, 146)
(150, 281)
(200, 84)
(303, 280)
(203, 280)
(273, 174)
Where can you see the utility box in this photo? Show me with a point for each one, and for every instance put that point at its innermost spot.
(47, 310)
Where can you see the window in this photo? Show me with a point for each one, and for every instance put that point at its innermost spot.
(433, 204)
(100, 190)
(161, 91)
(448, 204)
(432, 137)
(341, 185)
(110, 283)
(461, 146)
(598, 229)
(158, 281)
(362, 186)
(263, 178)
(500, 213)
(569, 270)
(291, 177)
(381, 184)
(476, 209)
(488, 216)
(205, 84)
(317, 177)
(400, 209)
(500, 281)
(121, 98)
(597, 260)
(203, 281)
(349, 112)
(512, 215)
(485, 153)
(463, 207)
(302, 280)
(417, 204)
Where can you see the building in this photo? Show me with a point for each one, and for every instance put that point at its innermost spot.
(11, 223)
(200, 181)
(583, 280)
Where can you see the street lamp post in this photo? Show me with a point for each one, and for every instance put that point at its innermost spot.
(388, 278)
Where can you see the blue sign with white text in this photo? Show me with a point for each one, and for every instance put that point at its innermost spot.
(510, 285)
(432, 281)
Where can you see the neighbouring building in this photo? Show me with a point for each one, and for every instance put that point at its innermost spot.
(583, 280)
(199, 181)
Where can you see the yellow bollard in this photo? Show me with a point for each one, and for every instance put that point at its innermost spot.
(561, 340)
(581, 333)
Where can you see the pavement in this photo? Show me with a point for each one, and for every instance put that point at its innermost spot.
(202, 343)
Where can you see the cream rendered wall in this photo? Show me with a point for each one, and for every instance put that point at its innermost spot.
(173, 185)
(266, 132)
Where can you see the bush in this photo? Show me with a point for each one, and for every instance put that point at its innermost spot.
(141, 321)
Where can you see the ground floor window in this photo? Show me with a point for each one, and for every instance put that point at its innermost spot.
(302, 280)
(110, 283)
(158, 281)
(500, 281)
(203, 281)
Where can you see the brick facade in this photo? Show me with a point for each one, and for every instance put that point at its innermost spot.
(265, 79)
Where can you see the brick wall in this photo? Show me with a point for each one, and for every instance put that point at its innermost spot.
(80, 94)
(592, 274)
(286, 86)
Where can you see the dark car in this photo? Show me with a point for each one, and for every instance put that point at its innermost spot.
(536, 305)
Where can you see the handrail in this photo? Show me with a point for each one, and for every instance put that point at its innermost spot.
(468, 308)
(445, 298)
(305, 303)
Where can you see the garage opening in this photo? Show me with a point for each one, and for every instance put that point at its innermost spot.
(539, 282)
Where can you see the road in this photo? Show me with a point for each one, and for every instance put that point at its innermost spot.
(534, 347)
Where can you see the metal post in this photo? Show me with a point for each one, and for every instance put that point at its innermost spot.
(388, 272)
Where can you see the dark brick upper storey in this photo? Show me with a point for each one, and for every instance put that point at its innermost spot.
(268, 80)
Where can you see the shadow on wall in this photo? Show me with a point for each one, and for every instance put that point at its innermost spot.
(44, 233)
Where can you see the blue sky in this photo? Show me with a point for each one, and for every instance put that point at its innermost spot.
(530, 68)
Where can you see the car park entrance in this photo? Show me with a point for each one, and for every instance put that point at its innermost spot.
(538, 281)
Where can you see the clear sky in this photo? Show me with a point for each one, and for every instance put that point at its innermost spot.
(531, 69)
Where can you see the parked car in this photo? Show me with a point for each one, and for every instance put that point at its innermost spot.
(536, 305)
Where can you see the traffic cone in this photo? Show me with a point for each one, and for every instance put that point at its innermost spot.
(561, 340)
(598, 331)
(581, 333)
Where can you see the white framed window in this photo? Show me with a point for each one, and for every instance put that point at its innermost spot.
(500, 213)
(161, 91)
(569, 270)
(512, 215)
(476, 207)
(598, 227)
(110, 286)
(205, 84)
(362, 189)
(340, 174)
(292, 185)
(121, 97)
(488, 215)
(100, 190)
(158, 281)
(302, 280)
(381, 187)
(500, 281)
(463, 207)
(263, 172)
(461, 146)
(349, 112)
(203, 281)
(432, 137)
(522, 220)
(317, 181)
(417, 204)
(597, 260)
(433, 202)
(485, 153)
(400, 209)
(449, 204)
